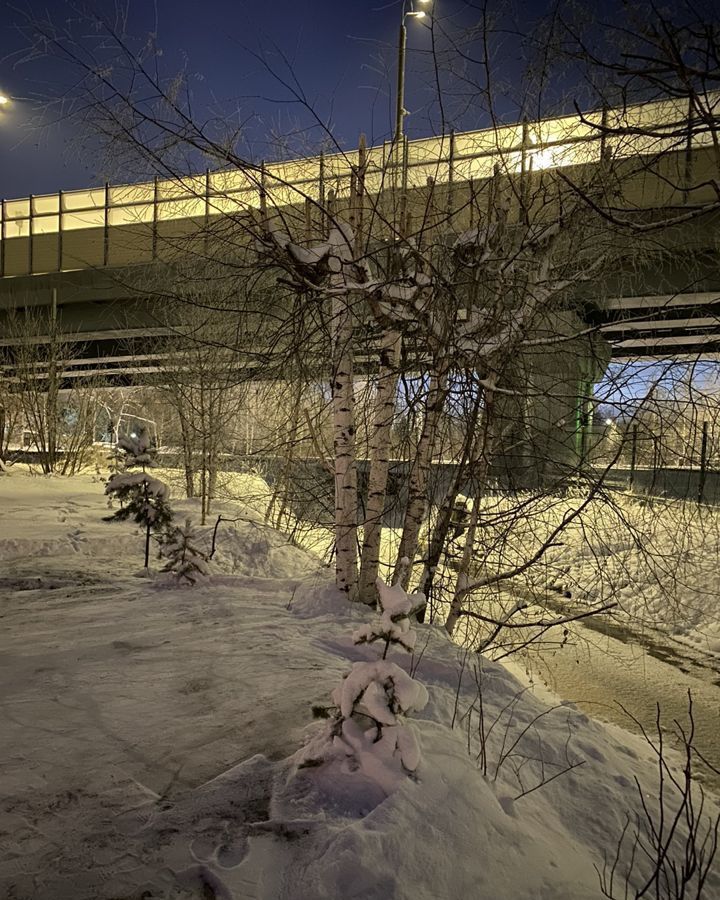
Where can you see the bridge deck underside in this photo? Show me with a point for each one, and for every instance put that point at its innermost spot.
(110, 341)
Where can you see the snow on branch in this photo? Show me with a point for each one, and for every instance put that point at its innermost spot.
(143, 498)
(366, 732)
(138, 449)
(330, 266)
(184, 558)
(393, 625)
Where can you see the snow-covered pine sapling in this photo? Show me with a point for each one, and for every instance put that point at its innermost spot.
(395, 607)
(142, 497)
(116, 460)
(366, 731)
(184, 559)
(138, 449)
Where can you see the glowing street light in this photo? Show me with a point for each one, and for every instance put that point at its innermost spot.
(4, 100)
(400, 110)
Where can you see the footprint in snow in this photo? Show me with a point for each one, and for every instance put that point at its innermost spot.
(204, 878)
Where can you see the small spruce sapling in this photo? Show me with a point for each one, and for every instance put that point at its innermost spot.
(116, 460)
(142, 497)
(396, 607)
(366, 728)
(184, 559)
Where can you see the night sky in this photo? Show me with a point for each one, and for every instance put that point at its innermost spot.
(343, 54)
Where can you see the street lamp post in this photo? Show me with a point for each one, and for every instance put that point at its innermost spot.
(402, 44)
(398, 143)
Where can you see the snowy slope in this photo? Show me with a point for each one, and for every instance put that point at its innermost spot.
(658, 560)
(149, 736)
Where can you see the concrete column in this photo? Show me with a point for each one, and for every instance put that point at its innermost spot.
(541, 426)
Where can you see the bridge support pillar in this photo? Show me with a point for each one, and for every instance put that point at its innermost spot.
(541, 426)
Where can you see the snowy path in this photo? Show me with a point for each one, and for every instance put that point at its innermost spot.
(116, 691)
(601, 673)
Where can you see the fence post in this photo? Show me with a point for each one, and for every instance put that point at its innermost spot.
(688, 152)
(206, 216)
(3, 238)
(321, 194)
(31, 233)
(655, 462)
(361, 171)
(633, 456)
(525, 170)
(451, 177)
(402, 223)
(604, 156)
(703, 462)
(263, 192)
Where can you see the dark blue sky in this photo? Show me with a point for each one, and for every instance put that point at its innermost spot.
(342, 52)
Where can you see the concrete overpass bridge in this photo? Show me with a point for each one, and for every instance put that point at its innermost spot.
(95, 261)
(94, 265)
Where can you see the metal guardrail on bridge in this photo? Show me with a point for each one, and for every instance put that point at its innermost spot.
(117, 225)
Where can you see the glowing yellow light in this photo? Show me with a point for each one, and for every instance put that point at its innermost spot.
(4, 100)
(544, 159)
(417, 15)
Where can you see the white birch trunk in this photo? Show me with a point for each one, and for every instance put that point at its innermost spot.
(384, 413)
(343, 401)
(418, 480)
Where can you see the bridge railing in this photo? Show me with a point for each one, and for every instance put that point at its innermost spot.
(123, 224)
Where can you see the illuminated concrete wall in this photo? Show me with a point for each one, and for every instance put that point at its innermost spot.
(119, 225)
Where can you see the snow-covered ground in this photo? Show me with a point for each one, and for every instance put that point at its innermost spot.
(658, 561)
(150, 735)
